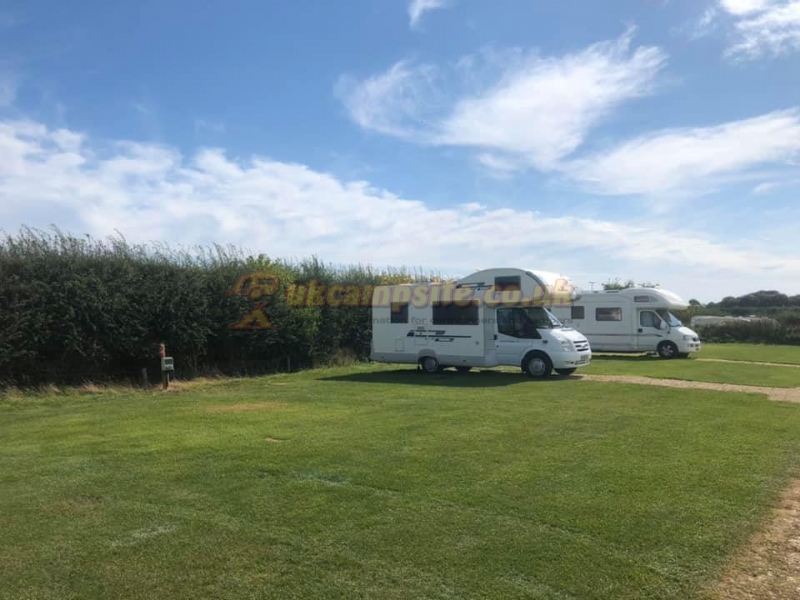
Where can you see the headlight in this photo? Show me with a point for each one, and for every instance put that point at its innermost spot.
(688, 338)
(567, 346)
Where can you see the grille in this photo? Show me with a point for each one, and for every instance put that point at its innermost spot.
(582, 346)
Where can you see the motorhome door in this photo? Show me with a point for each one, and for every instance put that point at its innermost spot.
(650, 331)
(516, 334)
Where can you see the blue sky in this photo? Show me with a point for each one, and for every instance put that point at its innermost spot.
(650, 139)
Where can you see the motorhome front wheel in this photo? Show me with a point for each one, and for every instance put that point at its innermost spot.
(667, 350)
(538, 365)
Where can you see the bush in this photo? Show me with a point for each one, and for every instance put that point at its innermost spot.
(76, 309)
(761, 331)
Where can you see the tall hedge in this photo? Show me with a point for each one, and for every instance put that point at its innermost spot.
(76, 309)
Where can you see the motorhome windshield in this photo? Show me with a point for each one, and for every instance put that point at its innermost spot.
(543, 318)
(669, 317)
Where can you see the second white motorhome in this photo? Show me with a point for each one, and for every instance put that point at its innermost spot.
(632, 320)
(477, 327)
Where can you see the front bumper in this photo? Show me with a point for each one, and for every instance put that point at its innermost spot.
(689, 347)
(571, 360)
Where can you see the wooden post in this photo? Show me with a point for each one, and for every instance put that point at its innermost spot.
(162, 353)
(145, 381)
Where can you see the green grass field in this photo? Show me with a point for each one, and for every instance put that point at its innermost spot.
(747, 352)
(384, 483)
(694, 370)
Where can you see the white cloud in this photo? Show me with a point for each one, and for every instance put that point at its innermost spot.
(519, 110)
(151, 192)
(763, 27)
(692, 161)
(417, 8)
(539, 109)
(744, 7)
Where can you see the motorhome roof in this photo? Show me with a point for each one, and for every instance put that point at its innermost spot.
(658, 295)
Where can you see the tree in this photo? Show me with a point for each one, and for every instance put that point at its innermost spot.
(694, 302)
(616, 284)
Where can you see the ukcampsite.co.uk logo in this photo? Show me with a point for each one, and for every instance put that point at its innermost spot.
(261, 284)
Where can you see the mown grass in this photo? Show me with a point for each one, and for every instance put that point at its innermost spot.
(382, 483)
(751, 352)
(693, 370)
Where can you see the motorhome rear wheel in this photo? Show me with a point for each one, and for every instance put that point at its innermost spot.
(430, 365)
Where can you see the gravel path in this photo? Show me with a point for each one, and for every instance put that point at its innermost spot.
(769, 566)
(777, 394)
(747, 362)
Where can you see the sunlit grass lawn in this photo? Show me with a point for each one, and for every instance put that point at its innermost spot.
(693, 370)
(370, 483)
(751, 352)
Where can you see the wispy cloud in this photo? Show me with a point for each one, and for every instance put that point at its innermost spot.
(763, 27)
(417, 8)
(520, 110)
(394, 102)
(206, 126)
(543, 108)
(692, 161)
(765, 188)
(7, 20)
(8, 88)
(150, 192)
(701, 27)
(768, 187)
(148, 116)
(534, 109)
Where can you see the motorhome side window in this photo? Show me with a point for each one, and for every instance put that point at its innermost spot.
(608, 314)
(400, 312)
(578, 313)
(452, 314)
(508, 283)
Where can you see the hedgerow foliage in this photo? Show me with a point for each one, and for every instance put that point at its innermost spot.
(77, 309)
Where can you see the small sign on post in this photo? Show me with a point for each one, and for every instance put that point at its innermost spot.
(167, 367)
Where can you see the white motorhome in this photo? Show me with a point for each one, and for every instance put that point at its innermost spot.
(632, 320)
(492, 318)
